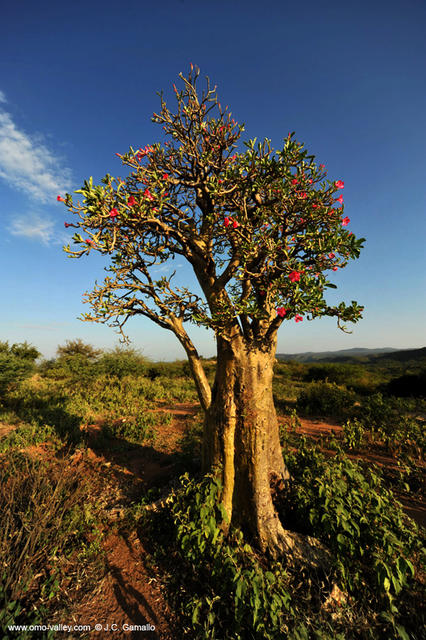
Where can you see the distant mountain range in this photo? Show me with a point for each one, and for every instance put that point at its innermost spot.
(356, 355)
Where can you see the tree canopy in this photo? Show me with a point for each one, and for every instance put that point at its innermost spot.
(260, 227)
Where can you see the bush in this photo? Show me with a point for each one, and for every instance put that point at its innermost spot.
(387, 418)
(374, 543)
(222, 588)
(122, 362)
(17, 362)
(325, 399)
(77, 347)
(45, 409)
(353, 434)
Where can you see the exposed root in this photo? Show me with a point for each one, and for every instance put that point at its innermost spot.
(300, 549)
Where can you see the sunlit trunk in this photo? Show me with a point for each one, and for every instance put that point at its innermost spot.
(241, 438)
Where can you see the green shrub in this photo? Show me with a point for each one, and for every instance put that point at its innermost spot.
(77, 348)
(17, 362)
(353, 434)
(325, 399)
(374, 543)
(122, 362)
(43, 409)
(138, 429)
(388, 419)
(221, 589)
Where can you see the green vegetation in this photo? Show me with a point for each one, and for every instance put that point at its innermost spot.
(16, 363)
(223, 589)
(53, 513)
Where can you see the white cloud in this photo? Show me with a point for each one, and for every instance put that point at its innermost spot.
(34, 227)
(166, 267)
(2, 97)
(28, 165)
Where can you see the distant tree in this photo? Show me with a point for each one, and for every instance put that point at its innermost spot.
(17, 362)
(78, 348)
(262, 236)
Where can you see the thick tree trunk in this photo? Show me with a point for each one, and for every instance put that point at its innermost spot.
(241, 438)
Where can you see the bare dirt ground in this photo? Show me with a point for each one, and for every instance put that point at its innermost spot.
(130, 592)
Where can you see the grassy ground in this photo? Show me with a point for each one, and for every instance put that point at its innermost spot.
(86, 444)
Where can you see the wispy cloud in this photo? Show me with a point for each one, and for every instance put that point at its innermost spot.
(36, 227)
(2, 97)
(27, 164)
(166, 267)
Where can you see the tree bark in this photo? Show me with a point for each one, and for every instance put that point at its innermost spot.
(241, 442)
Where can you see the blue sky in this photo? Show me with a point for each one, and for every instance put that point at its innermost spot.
(78, 83)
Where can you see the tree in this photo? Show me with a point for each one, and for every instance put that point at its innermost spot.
(260, 231)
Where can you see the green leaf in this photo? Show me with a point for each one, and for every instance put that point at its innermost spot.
(402, 632)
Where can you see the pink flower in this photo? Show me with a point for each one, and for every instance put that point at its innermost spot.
(89, 241)
(322, 166)
(226, 222)
(335, 268)
(302, 194)
(66, 225)
(310, 180)
(331, 256)
(235, 224)
(281, 311)
(113, 213)
(339, 199)
(294, 276)
(298, 318)
(294, 181)
(131, 201)
(148, 194)
(314, 206)
(165, 176)
(346, 221)
(340, 184)
(60, 199)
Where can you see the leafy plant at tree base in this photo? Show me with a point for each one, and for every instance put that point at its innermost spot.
(374, 543)
(224, 589)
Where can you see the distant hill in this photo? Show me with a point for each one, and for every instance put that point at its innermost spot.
(359, 355)
(403, 356)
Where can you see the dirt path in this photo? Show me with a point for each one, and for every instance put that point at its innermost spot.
(128, 595)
